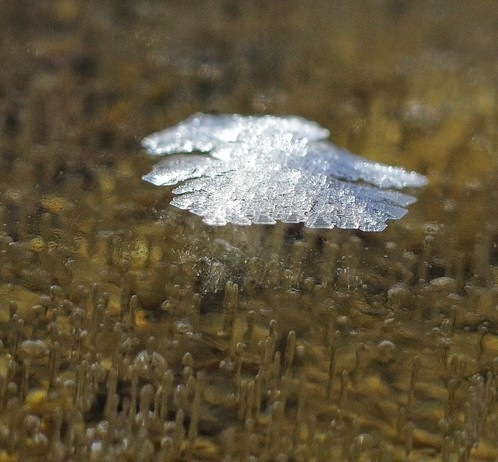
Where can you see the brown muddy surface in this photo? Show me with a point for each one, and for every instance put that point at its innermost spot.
(131, 331)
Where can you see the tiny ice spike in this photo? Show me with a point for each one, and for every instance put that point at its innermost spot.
(260, 169)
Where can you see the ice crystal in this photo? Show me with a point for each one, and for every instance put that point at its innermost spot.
(261, 169)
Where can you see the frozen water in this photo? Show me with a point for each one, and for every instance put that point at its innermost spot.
(204, 132)
(263, 169)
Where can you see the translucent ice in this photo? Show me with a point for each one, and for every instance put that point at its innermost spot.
(261, 169)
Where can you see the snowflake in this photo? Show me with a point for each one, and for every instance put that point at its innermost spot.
(263, 169)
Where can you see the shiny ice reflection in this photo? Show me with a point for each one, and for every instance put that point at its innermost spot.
(263, 169)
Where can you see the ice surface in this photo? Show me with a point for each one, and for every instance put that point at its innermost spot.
(263, 169)
(204, 132)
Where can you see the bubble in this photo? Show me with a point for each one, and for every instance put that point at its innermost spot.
(33, 349)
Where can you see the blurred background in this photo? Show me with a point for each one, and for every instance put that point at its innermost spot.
(131, 331)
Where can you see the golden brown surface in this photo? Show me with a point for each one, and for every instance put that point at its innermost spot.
(131, 331)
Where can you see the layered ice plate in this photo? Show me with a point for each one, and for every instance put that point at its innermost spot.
(263, 169)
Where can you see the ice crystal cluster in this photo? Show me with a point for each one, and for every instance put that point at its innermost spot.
(260, 169)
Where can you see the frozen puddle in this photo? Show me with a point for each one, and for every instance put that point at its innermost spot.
(263, 169)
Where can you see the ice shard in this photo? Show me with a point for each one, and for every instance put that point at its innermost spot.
(262, 169)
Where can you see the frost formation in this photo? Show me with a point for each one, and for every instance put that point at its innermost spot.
(263, 169)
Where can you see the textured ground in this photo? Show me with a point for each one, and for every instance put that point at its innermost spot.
(131, 331)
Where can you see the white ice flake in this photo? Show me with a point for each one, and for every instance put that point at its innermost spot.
(264, 169)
